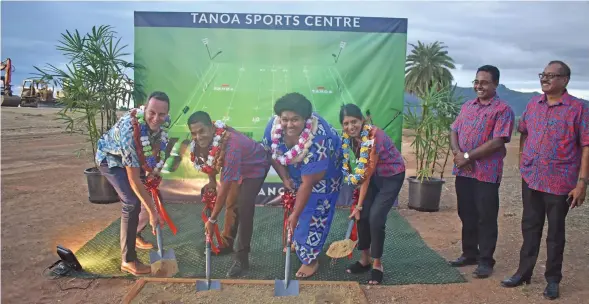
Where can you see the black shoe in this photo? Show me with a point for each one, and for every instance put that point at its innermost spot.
(462, 261)
(238, 268)
(482, 272)
(515, 281)
(551, 291)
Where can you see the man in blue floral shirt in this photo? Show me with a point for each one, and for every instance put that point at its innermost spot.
(118, 161)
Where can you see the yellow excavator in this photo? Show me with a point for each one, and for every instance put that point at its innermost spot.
(35, 92)
(8, 99)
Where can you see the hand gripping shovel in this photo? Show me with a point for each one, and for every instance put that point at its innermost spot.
(208, 284)
(286, 287)
(163, 262)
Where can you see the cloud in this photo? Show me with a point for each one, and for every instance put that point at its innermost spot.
(518, 37)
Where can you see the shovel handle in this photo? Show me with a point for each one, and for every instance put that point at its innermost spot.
(208, 254)
(287, 264)
(158, 233)
(208, 263)
(350, 227)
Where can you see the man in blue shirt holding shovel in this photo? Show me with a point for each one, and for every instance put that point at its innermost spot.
(124, 166)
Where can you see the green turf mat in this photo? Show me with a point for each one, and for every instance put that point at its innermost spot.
(407, 259)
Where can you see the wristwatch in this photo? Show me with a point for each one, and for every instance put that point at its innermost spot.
(465, 155)
(585, 180)
(212, 221)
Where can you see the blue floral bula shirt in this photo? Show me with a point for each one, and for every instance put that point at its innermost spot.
(117, 145)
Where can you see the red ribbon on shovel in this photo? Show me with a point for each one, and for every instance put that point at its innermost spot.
(152, 184)
(209, 198)
(354, 234)
(288, 202)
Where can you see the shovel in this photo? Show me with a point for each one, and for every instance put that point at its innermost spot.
(163, 262)
(343, 248)
(208, 284)
(286, 287)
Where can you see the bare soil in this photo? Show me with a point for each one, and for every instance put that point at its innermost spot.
(168, 293)
(45, 203)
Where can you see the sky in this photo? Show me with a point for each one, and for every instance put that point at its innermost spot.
(520, 38)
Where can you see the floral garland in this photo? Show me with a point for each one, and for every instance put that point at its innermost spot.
(149, 161)
(367, 143)
(300, 150)
(214, 158)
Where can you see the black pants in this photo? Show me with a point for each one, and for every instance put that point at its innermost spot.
(379, 200)
(134, 217)
(243, 225)
(478, 207)
(537, 206)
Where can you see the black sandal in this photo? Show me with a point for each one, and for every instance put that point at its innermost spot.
(358, 268)
(375, 275)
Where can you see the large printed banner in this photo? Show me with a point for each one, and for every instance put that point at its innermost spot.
(235, 66)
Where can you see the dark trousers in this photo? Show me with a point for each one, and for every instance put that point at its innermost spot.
(134, 217)
(537, 206)
(379, 200)
(230, 223)
(478, 207)
(243, 215)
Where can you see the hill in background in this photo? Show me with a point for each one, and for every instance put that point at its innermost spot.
(517, 100)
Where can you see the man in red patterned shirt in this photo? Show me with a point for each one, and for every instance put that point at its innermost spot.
(245, 166)
(478, 139)
(554, 164)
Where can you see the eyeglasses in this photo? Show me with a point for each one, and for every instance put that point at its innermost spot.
(550, 76)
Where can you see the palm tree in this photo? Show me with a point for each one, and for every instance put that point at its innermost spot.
(428, 64)
(93, 81)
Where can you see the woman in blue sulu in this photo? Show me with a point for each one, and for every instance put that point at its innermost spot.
(306, 154)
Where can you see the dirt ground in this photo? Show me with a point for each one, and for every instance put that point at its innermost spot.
(45, 203)
(184, 293)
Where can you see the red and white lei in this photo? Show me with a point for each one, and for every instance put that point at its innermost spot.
(298, 152)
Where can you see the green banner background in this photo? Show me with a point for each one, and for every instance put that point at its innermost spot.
(236, 72)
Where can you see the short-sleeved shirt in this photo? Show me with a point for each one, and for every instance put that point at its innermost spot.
(551, 156)
(390, 160)
(325, 154)
(117, 146)
(475, 125)
(244, 158)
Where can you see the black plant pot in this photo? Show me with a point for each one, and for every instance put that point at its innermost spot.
(100, 191)
(424, 195)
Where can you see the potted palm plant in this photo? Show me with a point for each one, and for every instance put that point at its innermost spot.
(430, 127)
(94, 85)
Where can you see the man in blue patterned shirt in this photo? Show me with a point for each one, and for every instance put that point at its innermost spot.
(118, 162)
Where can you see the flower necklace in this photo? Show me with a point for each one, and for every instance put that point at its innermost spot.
(298, 151)
(149, 161)
(358, 175)
(213, 158)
